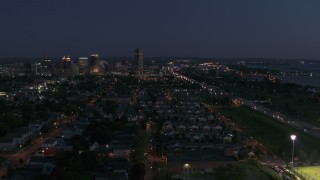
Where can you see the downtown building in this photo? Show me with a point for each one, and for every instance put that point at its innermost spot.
(138, 58)
(95, 66)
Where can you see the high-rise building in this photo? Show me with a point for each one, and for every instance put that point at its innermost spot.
(46, 66)
(47, 62)
(138, 57)
(83, 65)
(83, 62)
(94, 60)
(95, 67)
(66, 63)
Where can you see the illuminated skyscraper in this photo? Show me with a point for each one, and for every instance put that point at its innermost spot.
(66, 63)
(95, 64)
(83, 65)
(138, 57)
(83, 62)
(94, 60)
(47, 62)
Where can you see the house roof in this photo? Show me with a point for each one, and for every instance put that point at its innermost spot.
(42, 159)
(6, 140)
(198, 156)
(50, 141)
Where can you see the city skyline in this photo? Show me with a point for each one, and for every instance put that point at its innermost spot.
(208, 29)
(133, 90)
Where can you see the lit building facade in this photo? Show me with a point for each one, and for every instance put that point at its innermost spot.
(66, 63)
(95, 67)
(83, 65)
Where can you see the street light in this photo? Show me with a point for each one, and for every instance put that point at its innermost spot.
(293, 137)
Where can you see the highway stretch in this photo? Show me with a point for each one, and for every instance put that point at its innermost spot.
(290, 121)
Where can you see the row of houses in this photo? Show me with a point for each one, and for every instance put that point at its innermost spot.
(119, 150)
(189, 129)
(14, 140)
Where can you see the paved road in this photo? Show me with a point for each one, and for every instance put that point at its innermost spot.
(269, 157)
(25, 153)
(285, 119)
(290, 121)
(148, 161)
(151, 158)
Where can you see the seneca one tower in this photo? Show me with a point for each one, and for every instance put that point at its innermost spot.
(138, 57)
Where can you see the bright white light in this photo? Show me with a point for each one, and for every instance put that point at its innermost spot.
(293, 137)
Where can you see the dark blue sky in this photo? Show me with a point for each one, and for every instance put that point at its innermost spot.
(208, 28)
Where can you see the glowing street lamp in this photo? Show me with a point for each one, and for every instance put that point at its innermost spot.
(293, 137)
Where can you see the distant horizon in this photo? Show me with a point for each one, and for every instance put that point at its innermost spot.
(150, 57)
(163, 56)
(216, 29)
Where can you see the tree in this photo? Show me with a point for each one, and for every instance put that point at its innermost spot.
(59, 173)
(137, 172)
(12, 120)
(110, 107)
(76, 165)
(79, 143)
(69, 165)
(28, 110)
(233, 172)
(303, 156)
(10, 170)
(90, 160)
(314, 156)
(139, 144)
(44, 177)
(4, 129)
(99, 131)
(45, 129)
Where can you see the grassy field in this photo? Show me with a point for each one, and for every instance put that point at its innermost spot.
(309, 172)
(272, 134)
(296, 104)
(241, 171)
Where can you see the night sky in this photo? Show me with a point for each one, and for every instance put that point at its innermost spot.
(206, 28)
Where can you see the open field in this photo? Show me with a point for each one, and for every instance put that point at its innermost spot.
(309, 172)
(243, 170)
(294, 103)
(272, 134)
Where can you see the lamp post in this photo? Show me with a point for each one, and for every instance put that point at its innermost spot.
(293, 137)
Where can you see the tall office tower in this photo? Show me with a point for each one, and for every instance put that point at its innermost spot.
(83, 65)
(46, 61)
(83, 62)
(94, 60)
(46, 65)
(138, 57)
(66, 63)
(36, 68)
(95, 67)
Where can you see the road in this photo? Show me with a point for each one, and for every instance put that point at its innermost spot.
(151, 158)
(20, 158)
(290, 121)
(148, 161)
(269, 157)
(285, 119)
(25, 152)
